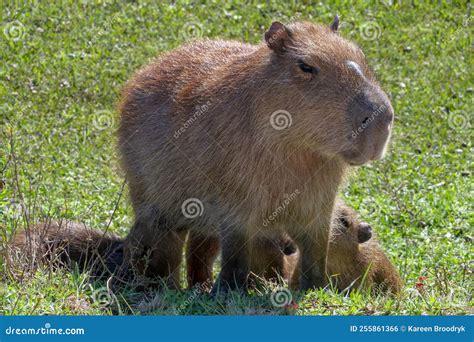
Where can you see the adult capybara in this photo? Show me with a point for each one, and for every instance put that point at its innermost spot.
(215, 134)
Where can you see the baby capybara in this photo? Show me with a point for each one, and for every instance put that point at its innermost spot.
(67, 244)
(355, 258)
(214, 134)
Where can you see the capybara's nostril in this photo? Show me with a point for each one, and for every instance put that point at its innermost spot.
(365, 232)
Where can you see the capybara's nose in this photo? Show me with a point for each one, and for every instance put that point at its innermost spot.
(369, 107)
(365, 232)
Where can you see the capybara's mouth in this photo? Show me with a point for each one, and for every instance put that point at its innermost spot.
(355, 158)
(361, 154)
(355, 164)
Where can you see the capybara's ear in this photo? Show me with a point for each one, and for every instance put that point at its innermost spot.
(335, 24)
(364, 233)
(277, 37)
(289, 247)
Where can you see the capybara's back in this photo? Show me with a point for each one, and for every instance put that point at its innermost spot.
(67, 244)
(169, 122)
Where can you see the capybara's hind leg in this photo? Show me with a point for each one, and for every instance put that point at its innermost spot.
(154, 252)
(201, 252)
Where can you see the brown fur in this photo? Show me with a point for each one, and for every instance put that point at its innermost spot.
(65, 244)
(201, 252)
(232, 159)
(351, 263)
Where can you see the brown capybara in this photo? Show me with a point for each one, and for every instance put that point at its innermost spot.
(214, 134)
(66, 244)
(355, 258)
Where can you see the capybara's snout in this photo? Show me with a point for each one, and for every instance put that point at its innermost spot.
(364, 233)
(371, 115)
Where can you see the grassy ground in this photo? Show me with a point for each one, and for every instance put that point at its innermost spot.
(61, 70)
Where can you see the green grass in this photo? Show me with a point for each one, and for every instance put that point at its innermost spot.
(61, 71)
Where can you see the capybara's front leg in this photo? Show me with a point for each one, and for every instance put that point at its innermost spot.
(235, 260)
(154, 252)
(313, 245)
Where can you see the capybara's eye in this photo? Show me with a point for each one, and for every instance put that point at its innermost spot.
(344, 222)
(307, 68)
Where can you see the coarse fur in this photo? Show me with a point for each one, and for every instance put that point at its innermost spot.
(196, 124)
(355, 258)
(67, 244)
